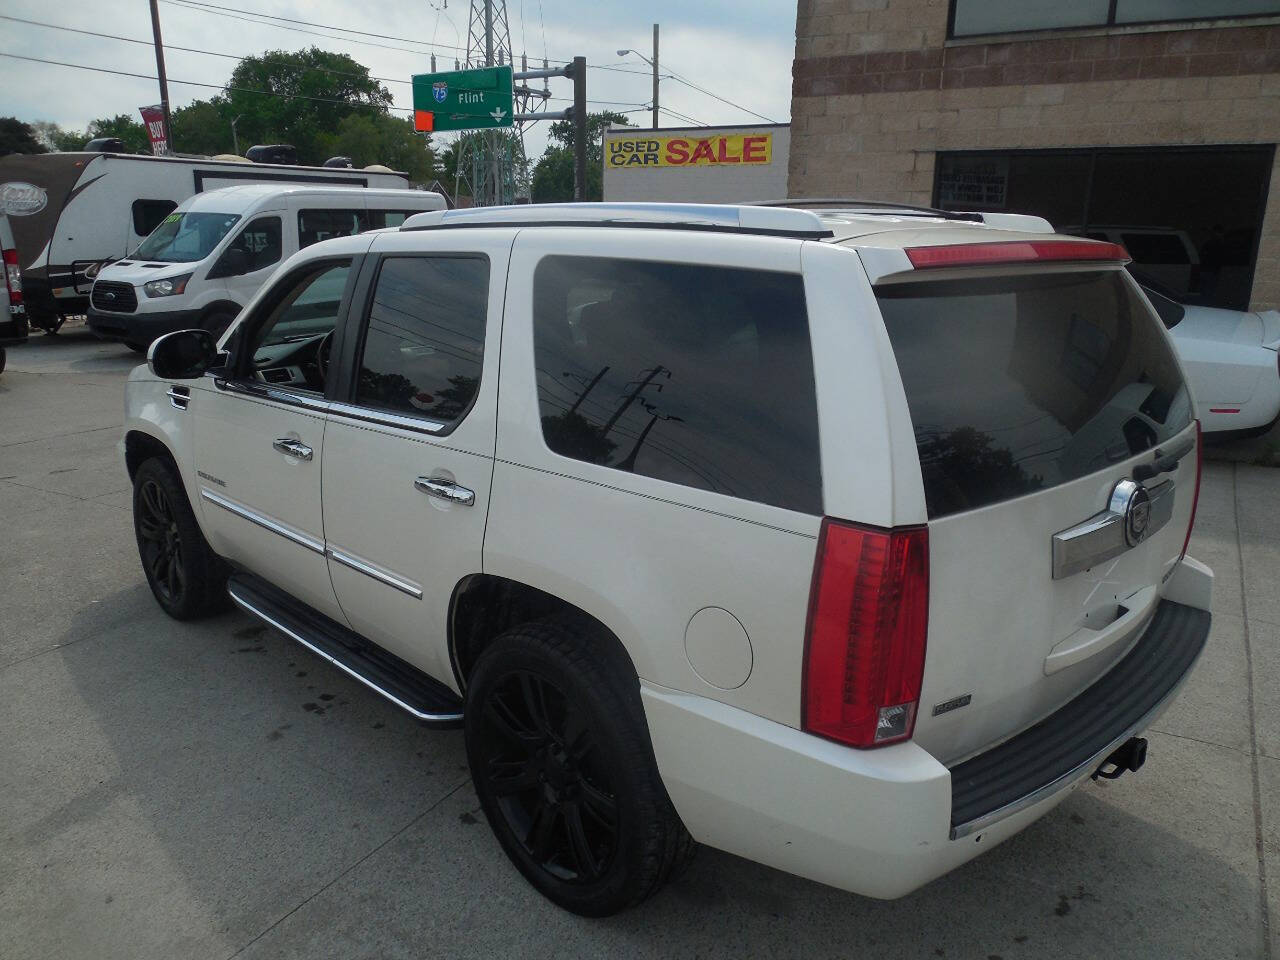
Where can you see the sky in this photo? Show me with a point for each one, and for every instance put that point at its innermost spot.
(740, 51)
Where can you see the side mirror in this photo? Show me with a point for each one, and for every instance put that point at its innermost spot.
(182, 355)
(233, 263)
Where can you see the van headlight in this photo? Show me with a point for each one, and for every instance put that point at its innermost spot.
(169, 287)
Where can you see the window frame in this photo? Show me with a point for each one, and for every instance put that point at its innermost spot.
(134, 212)
(236, 374)
(347, 381)
(1109, 24)
(361, 216)
(648, 484)
(218, 272)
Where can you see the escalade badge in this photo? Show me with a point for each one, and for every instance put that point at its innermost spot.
(1137, 513)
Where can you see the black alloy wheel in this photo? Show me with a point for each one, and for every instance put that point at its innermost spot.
(564, 769)
(544, 767)
(187, 578)
(159, 542)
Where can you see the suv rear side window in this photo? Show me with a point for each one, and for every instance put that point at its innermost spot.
(1018, 384)
(425, 340)
(696, 375)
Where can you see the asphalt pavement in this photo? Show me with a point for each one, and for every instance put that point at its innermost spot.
(212, 790)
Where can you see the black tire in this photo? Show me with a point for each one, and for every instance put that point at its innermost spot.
(138, 347)
(3, 357)
(561, 759)
(188, 579)
(216, 322)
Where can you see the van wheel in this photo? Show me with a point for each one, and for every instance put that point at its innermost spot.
(188, 579)
(562, 764)
(217, 322)
(137, 347)
(3, 358)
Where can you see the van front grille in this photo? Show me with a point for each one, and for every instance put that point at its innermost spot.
(114, 297)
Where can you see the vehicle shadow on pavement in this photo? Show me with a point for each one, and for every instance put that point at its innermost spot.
(201, 789)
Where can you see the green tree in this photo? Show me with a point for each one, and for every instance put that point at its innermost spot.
(381, 138)
(314, 92)
(553, 175)
(18, 137)
(130, 131)
(203, 126)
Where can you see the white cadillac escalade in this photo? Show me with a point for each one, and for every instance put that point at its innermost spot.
(847, 539)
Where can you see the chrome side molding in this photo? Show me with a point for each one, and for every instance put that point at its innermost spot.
(267, 523)
(369, 570)
(1133, 513)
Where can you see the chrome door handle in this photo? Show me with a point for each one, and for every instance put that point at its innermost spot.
(446, 490)
(292, 448)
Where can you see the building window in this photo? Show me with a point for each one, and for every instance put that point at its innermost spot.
(971, 18)
(1190, 217)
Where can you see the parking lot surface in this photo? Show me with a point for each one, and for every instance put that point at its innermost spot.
(212, 790)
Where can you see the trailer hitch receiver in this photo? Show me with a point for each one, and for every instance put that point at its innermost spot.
(1129, 756)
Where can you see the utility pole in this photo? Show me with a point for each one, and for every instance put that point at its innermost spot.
(580, 129)
(655, 76)
(164, 83)
(235, 140)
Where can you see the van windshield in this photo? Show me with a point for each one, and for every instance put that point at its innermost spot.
(185, 237)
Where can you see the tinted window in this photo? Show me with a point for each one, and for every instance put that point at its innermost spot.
(1007, 16)
(1020, 384)
(701, 376)
(291, 336)
(389, 218)
(1138, 11)
(149, 214)
(425, 340)
(260, 243)
(317, 225)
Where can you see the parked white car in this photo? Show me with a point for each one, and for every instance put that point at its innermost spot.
(207, 258)
(846, 541)
(1232, 360)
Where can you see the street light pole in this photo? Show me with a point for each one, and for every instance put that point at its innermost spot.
(655, 76)
(235, 140)
(653, 63)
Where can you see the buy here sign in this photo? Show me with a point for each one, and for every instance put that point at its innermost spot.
(690, 151)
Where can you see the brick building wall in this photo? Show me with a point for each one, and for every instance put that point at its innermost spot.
(878, 90)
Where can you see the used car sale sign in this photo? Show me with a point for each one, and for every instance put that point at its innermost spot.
(687, 151)
(697, 164)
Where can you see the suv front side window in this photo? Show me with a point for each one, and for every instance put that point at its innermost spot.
(291, 345)
(424, 342)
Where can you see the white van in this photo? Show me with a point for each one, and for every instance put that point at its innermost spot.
(207, 258)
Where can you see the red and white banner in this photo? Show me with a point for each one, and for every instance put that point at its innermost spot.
(153, 119)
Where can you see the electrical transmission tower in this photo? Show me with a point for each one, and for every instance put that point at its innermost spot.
(493, 162)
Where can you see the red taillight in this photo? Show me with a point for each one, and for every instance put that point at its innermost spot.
(1014, 251)
(13, 277)
(868, 620)
(1195, 497)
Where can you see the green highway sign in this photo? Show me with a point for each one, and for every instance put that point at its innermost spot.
(462, 99)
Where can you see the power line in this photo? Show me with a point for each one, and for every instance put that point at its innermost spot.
(208, 53)
(715, 96)
(196, 83)
(680, 116)
(307, 23)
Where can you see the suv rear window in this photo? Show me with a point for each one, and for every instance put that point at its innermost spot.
(1018, 384)
(697, 375)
